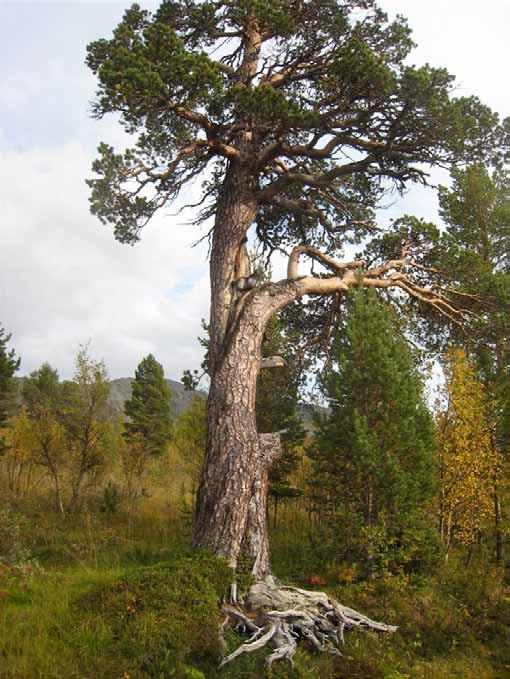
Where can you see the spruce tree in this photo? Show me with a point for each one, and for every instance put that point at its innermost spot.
(9, 364)
(374, 451)
(148, 409)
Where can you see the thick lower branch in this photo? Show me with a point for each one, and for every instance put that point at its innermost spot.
(346, 275)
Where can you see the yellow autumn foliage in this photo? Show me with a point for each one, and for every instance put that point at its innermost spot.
(468, 459)
(18, 460)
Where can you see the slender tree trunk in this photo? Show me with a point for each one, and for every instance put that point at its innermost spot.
(442, 503)
(448, 536)
(59, 504)
(58, 492)
(498, 520)
(498, 511)
(75, 495)
(371, 570)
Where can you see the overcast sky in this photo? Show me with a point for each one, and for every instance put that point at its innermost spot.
(63, 277)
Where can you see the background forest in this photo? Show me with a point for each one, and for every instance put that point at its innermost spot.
(395, 500)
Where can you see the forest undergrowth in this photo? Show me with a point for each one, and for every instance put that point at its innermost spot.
(120, 595)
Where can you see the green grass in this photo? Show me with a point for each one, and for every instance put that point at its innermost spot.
(36, 620)
(125, 598)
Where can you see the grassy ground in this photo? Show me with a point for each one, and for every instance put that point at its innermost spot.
(123, 597)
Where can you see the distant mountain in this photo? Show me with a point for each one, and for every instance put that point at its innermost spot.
(306, 413)
(120, 392)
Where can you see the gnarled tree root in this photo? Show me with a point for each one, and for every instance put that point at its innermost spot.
(278, 616)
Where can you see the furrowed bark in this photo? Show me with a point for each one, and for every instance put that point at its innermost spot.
(232, 498)
(256, 543)
(233, 453)
(232, 440)
(234, 216)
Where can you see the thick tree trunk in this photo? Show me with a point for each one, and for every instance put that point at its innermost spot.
(233, 455)
(231, 511)
(232, 501)
(234, 216)
(233, 471)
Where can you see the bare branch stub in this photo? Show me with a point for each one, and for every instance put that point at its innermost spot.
(272, 362)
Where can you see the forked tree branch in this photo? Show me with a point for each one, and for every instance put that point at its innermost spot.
(343, 276)
(323, 258)
(391, 274)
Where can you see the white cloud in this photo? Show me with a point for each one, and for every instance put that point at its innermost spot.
(466, 37)
(65, 280)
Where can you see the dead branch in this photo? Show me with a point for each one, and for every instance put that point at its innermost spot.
(316, 254)
(395, 273)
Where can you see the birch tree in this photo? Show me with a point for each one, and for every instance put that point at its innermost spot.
(42, 395)
(84, 419)
(468, 460)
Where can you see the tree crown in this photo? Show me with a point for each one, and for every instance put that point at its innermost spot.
(314, 99)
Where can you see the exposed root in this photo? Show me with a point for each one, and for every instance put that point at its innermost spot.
(278, 616)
